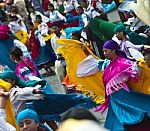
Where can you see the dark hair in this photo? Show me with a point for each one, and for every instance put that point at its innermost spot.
(80, 7)
(85, 1)
(79, 114)
(13, 17)
(29, 22)
(16, 52)
(51, 5)
(77, 34)
(39, 16)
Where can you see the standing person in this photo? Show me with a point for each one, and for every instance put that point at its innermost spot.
(89, 10)
(120, 100)
(125, 43)
(55, 17)
(60, 64)
(33, 13)
(36, 45)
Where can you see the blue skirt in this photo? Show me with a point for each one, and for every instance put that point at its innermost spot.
(54, 105)
(127, 108)
(5, 46)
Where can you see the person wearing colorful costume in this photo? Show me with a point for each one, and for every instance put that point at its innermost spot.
(123, 112)
(55, 17)
(83, 20)
(125, 43)
(29, 119)
(36, 46)
(50, 100)
(18, 27)
(92, 85)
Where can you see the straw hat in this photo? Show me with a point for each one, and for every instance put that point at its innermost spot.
(142, 10)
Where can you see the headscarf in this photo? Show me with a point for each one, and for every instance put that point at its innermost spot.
(119, 28)
(133, 37)
(113, 45)
(27, 114)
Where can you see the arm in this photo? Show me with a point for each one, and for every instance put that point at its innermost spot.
(31, 66)
(85, 20)
(43, 28)
(94, 13)
(131, 45)
(61, 16)
(4, 126)
(27, 93)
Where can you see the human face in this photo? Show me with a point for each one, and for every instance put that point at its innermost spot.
(147, 59)
(38, 20)
(79, 11)
(119, 35)
(109, 54)
(84, 4)
(13, 58)
(56, 29)
(28, 125)
(50, 8)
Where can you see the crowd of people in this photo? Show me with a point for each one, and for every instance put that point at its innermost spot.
(102, 64)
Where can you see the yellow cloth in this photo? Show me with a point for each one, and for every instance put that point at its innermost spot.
(73, 54)
(46, 38)
(9, 108)
(143, 85)
(22, 36)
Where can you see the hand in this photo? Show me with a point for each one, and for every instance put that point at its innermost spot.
(3, 93)
(146, 47)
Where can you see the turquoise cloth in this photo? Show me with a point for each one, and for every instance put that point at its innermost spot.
(5, 46)
(109, 7)
(27, 114)
(126, 108)
(56, 104)
(133, 37)
(12, 76)
(69, 31)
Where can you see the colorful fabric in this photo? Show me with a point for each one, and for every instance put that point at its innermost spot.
(33, 45)
(123, 111)
(27, 114)
(11, 75)
(9, 108)
(25, 69)
(56, 104)
(6, 43)
(133, 37)
(22, 36)
(116, 78)
(111, 44)
(91, 85)
(103, 29)
(143, 85)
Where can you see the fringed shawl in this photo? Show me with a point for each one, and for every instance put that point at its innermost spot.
(117, 74)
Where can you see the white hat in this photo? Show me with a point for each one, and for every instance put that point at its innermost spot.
(142, 10)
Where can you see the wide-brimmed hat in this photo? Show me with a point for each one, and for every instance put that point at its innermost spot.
(142, 10)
